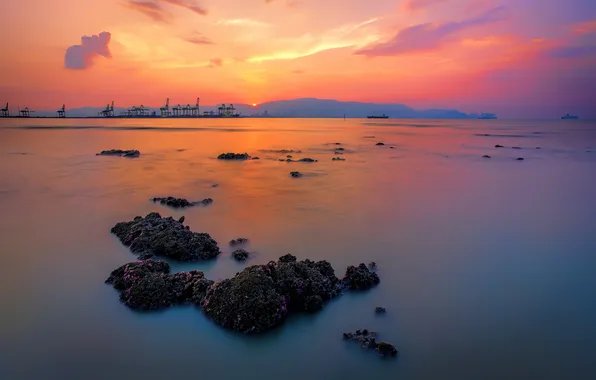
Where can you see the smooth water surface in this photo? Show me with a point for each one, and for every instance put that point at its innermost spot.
(486, 265)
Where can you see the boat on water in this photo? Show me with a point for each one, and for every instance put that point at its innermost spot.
(486, 116)
(568, 116)
(383, 116)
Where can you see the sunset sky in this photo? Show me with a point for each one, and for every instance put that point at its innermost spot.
(515, 57)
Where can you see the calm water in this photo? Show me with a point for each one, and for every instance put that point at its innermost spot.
(487, 265)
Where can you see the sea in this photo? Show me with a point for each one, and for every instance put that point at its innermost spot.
(487, 265)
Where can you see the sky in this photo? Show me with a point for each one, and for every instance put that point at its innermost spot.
(514, 57)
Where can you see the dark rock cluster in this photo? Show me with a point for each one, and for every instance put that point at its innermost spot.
(181, 202)
(240, 254)
(154, 235)
(368, 339)
(119, 152)
(255, 300)
(360, 278)
(238, 241)
(148, 285)
(380, 310)
(233, 156)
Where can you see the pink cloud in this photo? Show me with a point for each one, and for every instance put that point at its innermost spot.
(79, 57)
(425, 37)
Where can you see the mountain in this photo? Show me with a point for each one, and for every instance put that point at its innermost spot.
(306, 108)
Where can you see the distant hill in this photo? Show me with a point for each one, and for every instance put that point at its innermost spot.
(307, 108)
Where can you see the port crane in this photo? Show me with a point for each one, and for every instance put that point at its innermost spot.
(4, 112)
(26, 112)
(108, 111)
(195, 109)
(62, 111)
(165, 110)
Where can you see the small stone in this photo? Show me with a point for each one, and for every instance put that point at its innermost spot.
(380, 143)
(486, 156)
(296, 174)
(499, 146)
(256, 158)
(380, 310)
(519, 159)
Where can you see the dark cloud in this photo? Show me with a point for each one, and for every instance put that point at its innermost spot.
(428, 36)
(79, 57)
(151, 9)
(154, 9)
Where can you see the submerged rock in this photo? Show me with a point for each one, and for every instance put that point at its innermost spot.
(308, 159)
(516, 147)
(499, 146)
(118, 152)
(338, 159)
(165, 237)
(339, 149)
(233, 156)
(380, 310)
(486, 156)
(148, 285)
(519, 159)
(240, 254)
(360, 278)
(368, 340)
(238, 241)
(296, 174)
(380, 143)
(181, 202)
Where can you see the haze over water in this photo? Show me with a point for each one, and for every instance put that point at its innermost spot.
(486, 265)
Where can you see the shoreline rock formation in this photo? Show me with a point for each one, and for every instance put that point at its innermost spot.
(133, 153)
(233, 156)
(181, 202)
(255, 300)
(368, 340)
(154, 235)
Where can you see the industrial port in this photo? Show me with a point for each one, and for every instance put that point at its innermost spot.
(167, 111)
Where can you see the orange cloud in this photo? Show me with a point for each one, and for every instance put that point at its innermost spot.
(587, 27)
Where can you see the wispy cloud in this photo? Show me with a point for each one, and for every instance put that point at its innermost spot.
(151, 9)
(587, 27)
(215, 62)
(155, 10)
(79, 57)
(243, 22)
(419, 4)
(425, 37)
(190, 5)
(198, 39)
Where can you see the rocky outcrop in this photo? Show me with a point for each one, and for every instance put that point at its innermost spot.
(360, 278)
(119, 152)
(296, 174)
(238, 241)
(181, 202)
(240, 254)
(233, 156)
(257, 299)
(368, 340)
(154, 235)
(148, 285)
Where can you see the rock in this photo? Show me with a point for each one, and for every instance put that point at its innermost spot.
(386, 349)
(339, 149)
(519, 159)
(260, 297)
(380, 143)
(486, 156)
(238, 241)
(119, 152)
(337, 143)
(256, 158)
(391, 147)
(368, 340)
(360, 278)
(181, 220)
(302, 160)
(499, 146)
(181, 202)
(215, 185)
(296, 174)
(148, 285)
(380, 310)
(515, 147)
(165, 237)
(240, 254)
(338, 159)
(233, 156)
(289, 156)
(288, 258)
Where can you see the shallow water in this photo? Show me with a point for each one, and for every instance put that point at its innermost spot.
(486, 265)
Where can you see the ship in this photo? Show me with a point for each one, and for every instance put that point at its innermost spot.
(383, 116)
(568, 116)
(486, 116)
